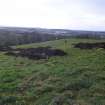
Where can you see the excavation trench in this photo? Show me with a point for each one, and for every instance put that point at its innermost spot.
(36, 53)
(90, 45)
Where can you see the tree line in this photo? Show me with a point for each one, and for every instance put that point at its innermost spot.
(13, 38)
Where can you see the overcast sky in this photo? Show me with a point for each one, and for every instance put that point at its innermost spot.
(65, 14)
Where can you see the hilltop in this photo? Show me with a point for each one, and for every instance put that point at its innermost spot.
(77, 78)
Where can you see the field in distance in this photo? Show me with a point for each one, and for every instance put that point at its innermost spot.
(77, 78)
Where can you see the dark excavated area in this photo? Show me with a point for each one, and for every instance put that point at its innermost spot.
(5, 48)
(36, 53)
(90, 45)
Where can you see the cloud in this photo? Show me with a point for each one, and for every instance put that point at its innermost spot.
(71, 14)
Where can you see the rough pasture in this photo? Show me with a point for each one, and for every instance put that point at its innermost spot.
(75, 79)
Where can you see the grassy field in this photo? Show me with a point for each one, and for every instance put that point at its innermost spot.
(75, 79)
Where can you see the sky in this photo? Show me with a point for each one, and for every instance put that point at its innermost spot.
(60, 14)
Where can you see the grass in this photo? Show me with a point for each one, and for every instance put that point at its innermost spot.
(78, 78)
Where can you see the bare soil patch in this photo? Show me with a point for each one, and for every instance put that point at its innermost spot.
(90, 45)
(36, 53)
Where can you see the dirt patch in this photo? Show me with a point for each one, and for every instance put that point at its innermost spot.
(36, 53)
(90, 45)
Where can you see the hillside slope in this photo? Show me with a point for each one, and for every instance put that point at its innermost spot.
(75, 79)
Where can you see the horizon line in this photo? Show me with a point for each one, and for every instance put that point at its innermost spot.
(32, 27)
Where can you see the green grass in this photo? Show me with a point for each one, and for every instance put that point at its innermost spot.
(78, 78)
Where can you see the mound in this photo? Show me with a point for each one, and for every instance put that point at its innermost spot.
(37, 53)
(90, 45)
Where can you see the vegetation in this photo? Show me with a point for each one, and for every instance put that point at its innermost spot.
(10, 38)
(18, 36)
(75, 79)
